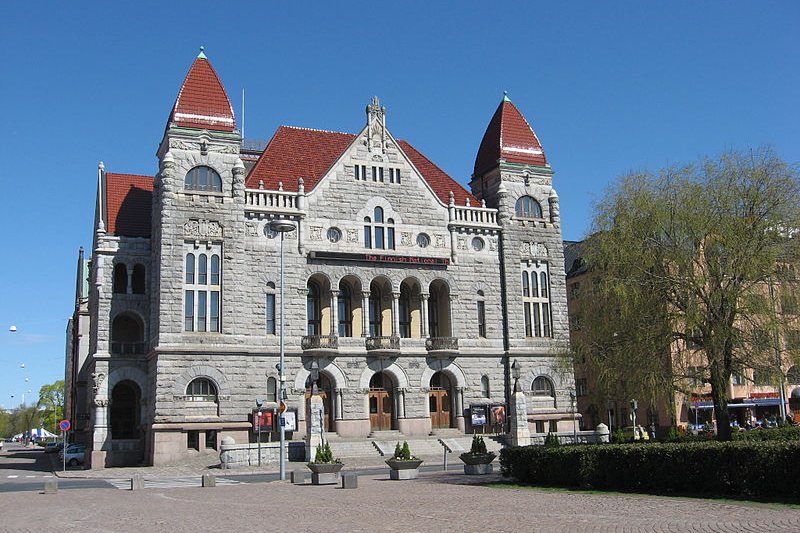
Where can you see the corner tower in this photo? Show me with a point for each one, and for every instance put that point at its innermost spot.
(512, 174)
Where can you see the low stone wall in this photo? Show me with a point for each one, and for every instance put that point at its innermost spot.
(241, 455)
(600, 434)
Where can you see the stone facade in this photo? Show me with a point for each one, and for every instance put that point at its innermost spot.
(408, 329)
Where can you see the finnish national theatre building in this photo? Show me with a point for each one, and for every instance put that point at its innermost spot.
(411, 295)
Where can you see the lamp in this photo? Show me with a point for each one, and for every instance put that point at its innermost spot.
(282, 226)
(314, 376)
(516, 373)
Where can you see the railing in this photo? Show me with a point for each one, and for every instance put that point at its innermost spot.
(474, 216)
(320, 342)
(127, 348)
(383, 343)
(434, 344)
(271, 199)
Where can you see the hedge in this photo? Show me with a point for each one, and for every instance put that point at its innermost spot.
(748, 469)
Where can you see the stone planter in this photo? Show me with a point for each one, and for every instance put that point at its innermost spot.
(478, 463)
(325, 473)
(403, 469)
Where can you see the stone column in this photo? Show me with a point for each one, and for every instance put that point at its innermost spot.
(130, 279)
(459, 407)
(423, 311)
(365, 313)
(395, 314)
(401, 403)
(338, 396)
(520, 433)
(334, 313)
(100, 434)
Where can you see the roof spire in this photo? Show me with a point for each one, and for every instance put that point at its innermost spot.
(505, 96)
(508, 138)
(202, 54)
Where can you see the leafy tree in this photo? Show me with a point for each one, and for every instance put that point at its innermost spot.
(51, 401)
(685, 264)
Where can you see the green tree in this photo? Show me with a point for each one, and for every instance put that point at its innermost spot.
(684, 263)
(51, 402)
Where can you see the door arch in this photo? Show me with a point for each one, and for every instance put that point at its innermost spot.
(381, 402)
(325, 389)
(439, 401)
(124, 410)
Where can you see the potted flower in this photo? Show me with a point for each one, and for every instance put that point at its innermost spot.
(478, 460)
(402, 464)
(324, 468)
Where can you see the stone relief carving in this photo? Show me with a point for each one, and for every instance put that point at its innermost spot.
(316, 233)
(533, 249)
(202, 228)
(101, 402)
(251, 229)
(462, 243)
(97, 380)
(352, 235)
(438, 240)
(203, 147)
(405, 238)
(493, 245)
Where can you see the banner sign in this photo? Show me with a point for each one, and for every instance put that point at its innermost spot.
(383, 258)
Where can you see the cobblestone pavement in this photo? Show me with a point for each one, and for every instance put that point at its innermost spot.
(437, 501)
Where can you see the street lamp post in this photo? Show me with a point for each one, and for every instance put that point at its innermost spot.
(282, 226)
(574, 429)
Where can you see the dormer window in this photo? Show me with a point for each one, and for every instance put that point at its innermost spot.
(204, 179)
(527, 207)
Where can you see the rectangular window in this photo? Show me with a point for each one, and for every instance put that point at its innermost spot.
(528, 329)
(188, 313)
(481, 319)
(394, 175)
(214, 311)
(390, 238)
(201, 310)
(540, 426)
(546, 320)
(553, 426)
(537, 320)
(380, 174)
(374, 173)
(270, 311)
(367, 237)
(379, 238)
(536, 300)
(193, 440)
(211, 439)
(374, 318)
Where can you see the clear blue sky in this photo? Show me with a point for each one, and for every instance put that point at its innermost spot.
(608, 87)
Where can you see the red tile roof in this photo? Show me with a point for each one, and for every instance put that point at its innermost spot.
(202, 101)
(128, 203)
(508, 137)
(295, 153)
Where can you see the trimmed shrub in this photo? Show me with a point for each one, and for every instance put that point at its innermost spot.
(768, 469)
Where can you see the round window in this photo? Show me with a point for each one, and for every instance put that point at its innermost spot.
(423, 240)
(334, 234)
(269, 232)
(477, 244)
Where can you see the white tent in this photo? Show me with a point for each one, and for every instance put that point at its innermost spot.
(41, 433)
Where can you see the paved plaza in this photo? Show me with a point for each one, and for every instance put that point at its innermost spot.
(437, 501)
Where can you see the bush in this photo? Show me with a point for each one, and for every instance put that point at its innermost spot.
(324, 454)
(478, 446)
(403, 453)
(551, 440)
(783, 433)
(750, 469)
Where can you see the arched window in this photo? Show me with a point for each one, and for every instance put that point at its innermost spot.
(138, 281)
(542, 387)
(203, 178)
(345, 310)
(201, 390)
(527, 207)
(481, 303)
(120, 285)
(536, 300)
(272, 390)
(313, 310)
(375, 316)
(202, 270)
(190, 269)
(126, 335)
(485, 392)
(377, 233)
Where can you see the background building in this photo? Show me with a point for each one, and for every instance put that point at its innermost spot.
(410, 294)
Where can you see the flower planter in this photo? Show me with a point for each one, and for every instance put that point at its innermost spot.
(325, 473)
(403, 469)
(478, 463)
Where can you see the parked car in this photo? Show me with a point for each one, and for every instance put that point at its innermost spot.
(53, 447)
(73, 454)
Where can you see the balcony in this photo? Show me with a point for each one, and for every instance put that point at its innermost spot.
(383, 345)
(319, 343)
(442, 346)
(127, 348)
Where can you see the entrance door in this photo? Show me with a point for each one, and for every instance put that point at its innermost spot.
(439, 401)
(381, 402)
(325, 390)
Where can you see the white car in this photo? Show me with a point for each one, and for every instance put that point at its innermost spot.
(73, 455)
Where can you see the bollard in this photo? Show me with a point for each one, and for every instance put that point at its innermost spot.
(50, 486)
(209, 480)
(349, 480)
(300, 477)
(137, 482)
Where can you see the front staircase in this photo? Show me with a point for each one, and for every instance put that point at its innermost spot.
(382, 443)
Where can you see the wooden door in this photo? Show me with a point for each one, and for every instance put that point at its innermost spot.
(439, 404)
(380, 410)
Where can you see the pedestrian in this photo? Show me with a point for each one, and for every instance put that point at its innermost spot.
(652, 431)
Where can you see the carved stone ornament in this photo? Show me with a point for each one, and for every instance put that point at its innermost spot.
(376, 122)
(538, 249)
(251, 229)
(462, 243)
(438, 240)
(101, 402)
(493, 245)
(180, 145)
(352, 235)
(316, 233)
(97, 380)
(405, 238)
(202, 228)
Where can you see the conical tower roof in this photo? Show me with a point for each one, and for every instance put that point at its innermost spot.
(509, 137)
(202, 101)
